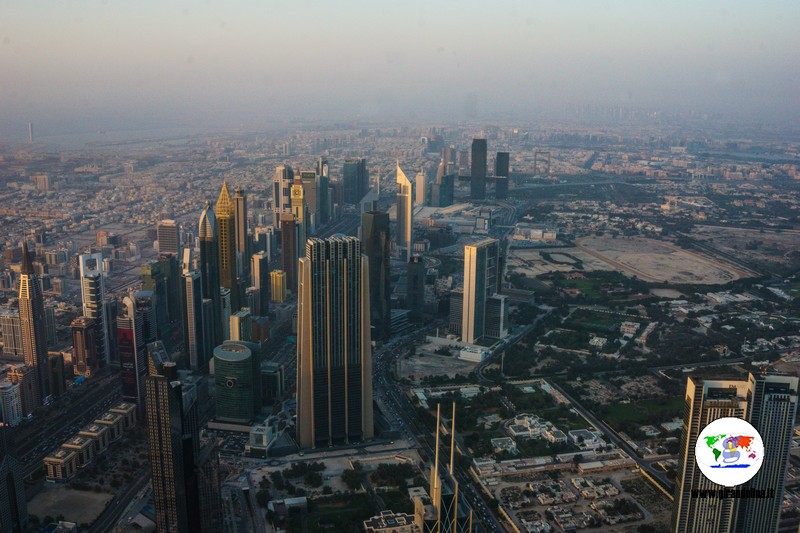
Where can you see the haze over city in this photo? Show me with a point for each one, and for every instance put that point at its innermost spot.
(78, 67)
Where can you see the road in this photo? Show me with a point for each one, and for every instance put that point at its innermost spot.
(113, 511)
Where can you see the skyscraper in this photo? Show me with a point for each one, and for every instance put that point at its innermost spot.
(169, 237)
(477, 183)
(334, 369)
(259, 278)
(11, 330)
(237, 377)
(769, 403)
(93, 299)
(281, 192)
(13, 505)
(481, 261)
(209, 267)
(501, 167)
(355, 179)
(301, 214)
(420, 189)
(377, 245)
(130, 339)
(165, 442)
(240, 229)
(192, 316)
(278, 282)
(405, 213)
(289, 250)
(323, 177)
(227, 245)
(85, 346)
(32, 324)
(415, 287)
(308, 180)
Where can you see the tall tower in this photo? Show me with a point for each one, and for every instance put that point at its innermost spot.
(227, 245)
(169, 237)
(93, 299)
(420, 189)
(289, 250)
(259, 278)
(209, 267)
(242, 239)
(32, 324)
(85, 348)
(415, 287)
(481, 262)
(308, 179)
(281, 190)
(192, 315)
(300, 213)
(130, 339)
(13, 505)
(355, 179)
(477, 183)
(769, 403)
(501, 167)
(376, 244)
(334, 369)
(323, 177)
(405, 212)
(165, 442)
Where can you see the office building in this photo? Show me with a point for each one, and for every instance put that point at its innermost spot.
(415, 288)
(769, 403)
(308, 180)
(154, 289)
(26, 378)
(226, 244)
(94, 306)
(355, 180)
(497, 323)
(226, 312)
(241, 236)
(281, 192)
(32, 324)
(13, 504)
(165, 442)
(11, 330)
(146, 307)
(260, 279)
(376, 245)
(241, 325)
(323, 185)
(169, 237)
(237, 380)
(131, 346)
(10, 404)
(289, 250)
(300, 211)
(334, 369)
(478, 170)
(481, 265)
(501, 168)
(209, 269)
(210, 513)
(420, 189)
(456, 315)
(278, 286)
(443, 187)
(56, 376)
(194, 335)
(405, 213)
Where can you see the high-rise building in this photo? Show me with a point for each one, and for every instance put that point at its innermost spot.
(420, 189)
(210, 512)
(334, 369)
(405, 213)
(240, 232)
(11, 330)
(376, 245)
(481, 263)
(237, 377)
(477, 183)
(501, 168)
(355, 179)
(13, 504)
(496, 325)
(241, 325)
(769, 403)
(55, 371)
(93, 299)
(209, 269)
(26, 377)
(289, 250)
(278, 282)
(323, 185)
(165, 442)
(131, 345)
(10, 404)
(415, 288)
(32, 324)
(301, 213)
(309, 182)
(146, 307)
(260, 279)
(154, 284)
(169, 237)
(194, 336)
(85, 346)
(281, 192)
(227, 246)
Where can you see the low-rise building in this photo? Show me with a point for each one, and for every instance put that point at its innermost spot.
(83, 448)
(113, 422)
(391, 522)
(98, 434)
(128, 413)
(61, 465)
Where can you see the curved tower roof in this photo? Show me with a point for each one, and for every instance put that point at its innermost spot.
(208, 223)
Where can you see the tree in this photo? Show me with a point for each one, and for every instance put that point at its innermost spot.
(313, 479)
(351, 478)
(263, 498)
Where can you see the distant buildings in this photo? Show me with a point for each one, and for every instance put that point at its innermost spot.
(478, 170)
(355, 179)
(334, 364)
(169, 237)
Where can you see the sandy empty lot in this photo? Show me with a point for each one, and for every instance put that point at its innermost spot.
(79, 506)
(653, 260)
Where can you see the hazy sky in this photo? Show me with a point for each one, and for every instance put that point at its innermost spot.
(84, 65)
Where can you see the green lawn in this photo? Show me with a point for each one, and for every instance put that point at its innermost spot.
(653, 411)
(586, 286)
(592, 320)
(563, 418)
